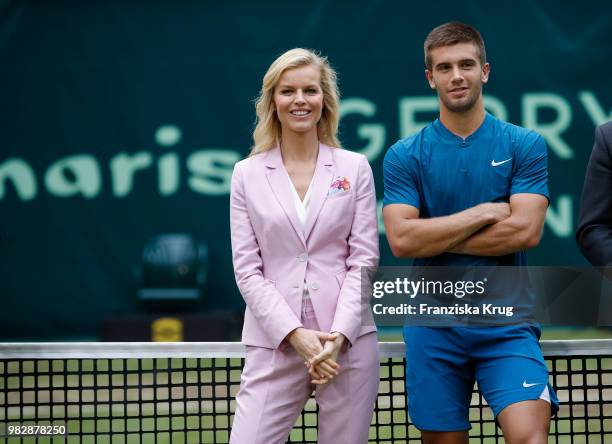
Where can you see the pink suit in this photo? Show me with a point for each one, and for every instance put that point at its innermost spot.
(274, 257)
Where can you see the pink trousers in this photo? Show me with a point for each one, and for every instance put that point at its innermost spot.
(275, 386)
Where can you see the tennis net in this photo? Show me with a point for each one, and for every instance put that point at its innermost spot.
(184, 393)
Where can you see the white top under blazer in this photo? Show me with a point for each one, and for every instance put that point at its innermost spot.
(302, 211)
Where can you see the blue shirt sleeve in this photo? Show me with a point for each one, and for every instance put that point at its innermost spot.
(400, 178)
(531, 169)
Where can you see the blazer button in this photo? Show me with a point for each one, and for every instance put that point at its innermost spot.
(314, 286)
(302, 257)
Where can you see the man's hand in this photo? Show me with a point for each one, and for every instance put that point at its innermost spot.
(521, 231)
(308, 344)
(494, 212)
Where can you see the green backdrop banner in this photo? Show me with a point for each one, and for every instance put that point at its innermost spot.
(123, 121)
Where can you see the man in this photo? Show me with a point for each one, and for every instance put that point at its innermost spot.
(594, 235)
(469, 190)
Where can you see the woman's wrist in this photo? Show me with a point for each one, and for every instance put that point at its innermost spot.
(292, 334)
(340, 337)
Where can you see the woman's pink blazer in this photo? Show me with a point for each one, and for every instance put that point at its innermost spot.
(274, 257)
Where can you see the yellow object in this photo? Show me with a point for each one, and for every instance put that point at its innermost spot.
(167, 330)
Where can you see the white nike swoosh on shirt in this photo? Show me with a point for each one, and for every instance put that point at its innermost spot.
(493, 163)
(527, 385)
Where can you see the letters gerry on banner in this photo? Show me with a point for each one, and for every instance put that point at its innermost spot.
(124, 121)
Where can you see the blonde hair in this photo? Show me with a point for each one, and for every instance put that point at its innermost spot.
(268, 128)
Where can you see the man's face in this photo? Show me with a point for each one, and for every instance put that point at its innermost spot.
(457, 76)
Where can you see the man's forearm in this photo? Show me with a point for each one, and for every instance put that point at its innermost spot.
(521, 231)
(505, 237)
(429, 237)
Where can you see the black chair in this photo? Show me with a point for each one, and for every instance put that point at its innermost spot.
(172, 272)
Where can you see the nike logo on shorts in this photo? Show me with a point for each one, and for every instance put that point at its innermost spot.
(527, 385)
(493, 163)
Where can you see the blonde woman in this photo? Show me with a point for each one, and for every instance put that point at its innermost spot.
(303, 223)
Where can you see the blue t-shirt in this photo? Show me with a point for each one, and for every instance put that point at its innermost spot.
(440, 173)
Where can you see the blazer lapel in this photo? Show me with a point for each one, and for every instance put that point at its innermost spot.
(323, 175)
(279, 182)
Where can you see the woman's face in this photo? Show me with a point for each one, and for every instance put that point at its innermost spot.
(298, 99)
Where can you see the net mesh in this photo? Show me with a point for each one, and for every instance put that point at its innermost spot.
(191, 400)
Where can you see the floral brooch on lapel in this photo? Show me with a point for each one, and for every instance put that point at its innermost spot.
(340, 184)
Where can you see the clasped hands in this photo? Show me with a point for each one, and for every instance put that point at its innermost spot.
(320, 352)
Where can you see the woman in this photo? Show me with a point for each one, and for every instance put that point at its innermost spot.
(303, 223)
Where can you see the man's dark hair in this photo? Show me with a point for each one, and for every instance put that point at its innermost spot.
(452, 33)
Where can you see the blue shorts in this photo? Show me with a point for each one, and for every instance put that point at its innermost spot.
(443, 363)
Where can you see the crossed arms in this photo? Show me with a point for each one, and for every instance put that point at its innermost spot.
(488, 229)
